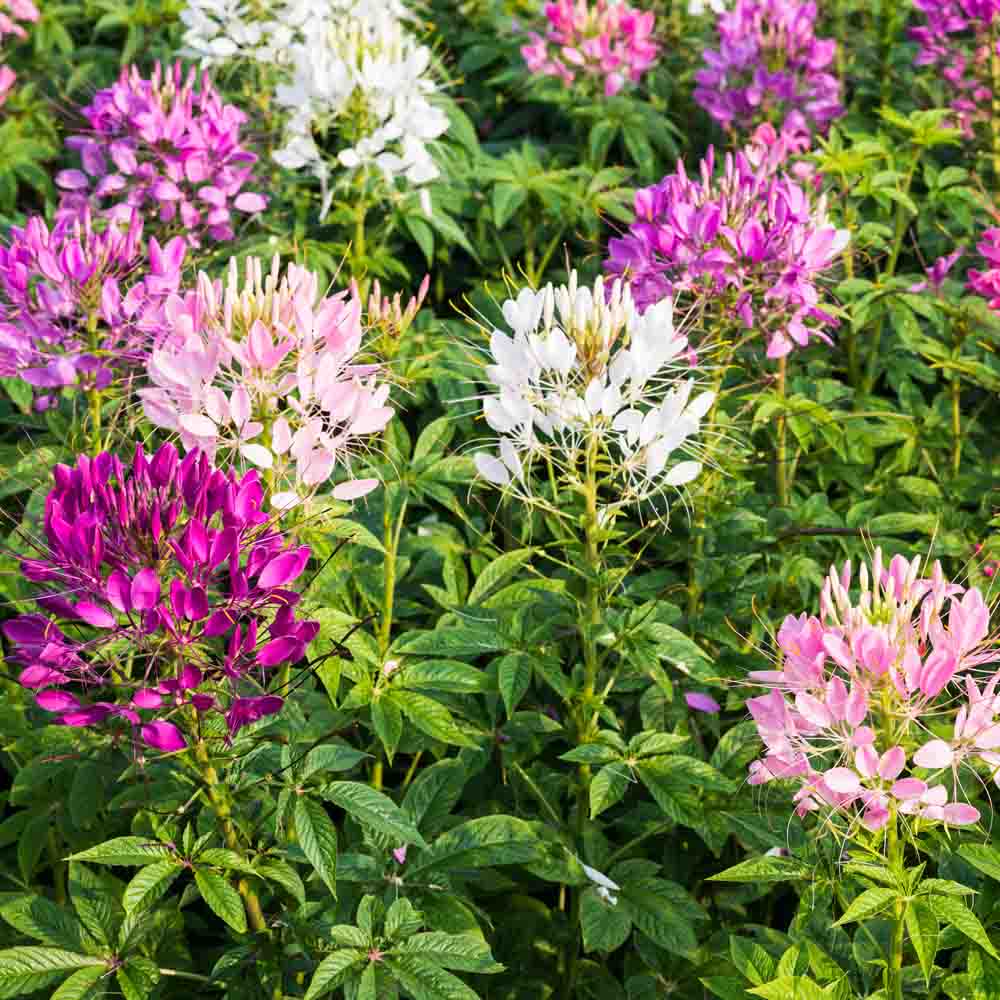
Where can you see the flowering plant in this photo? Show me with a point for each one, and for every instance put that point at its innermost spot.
(12, 12)
(173, 562)
(769, 64)
(752, 244)
(586, 383)
(175, 151)
(266, 371)
(81, 307)
(607, 41)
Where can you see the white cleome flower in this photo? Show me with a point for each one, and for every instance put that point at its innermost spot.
(583, 374)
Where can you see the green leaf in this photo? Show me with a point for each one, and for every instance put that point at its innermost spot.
(318, 839)
(82, 985)
(653, 907)
(334, 970)
(923, 932)
(30, 968)
(41, 919)
(514, 679)
(424, 981)
(481, 843)
(149, 884)
(764, 869)
(791, 988)
(605, 927)
(223, 899)
(755, 963)
(431, 717)
(867, 905)
(138, 978)
(463, 952)
(94, 896)
(331, 757)
(434, 792)
(725, 987)
(497, 573)
(608, 787)
(983, 857)
(126, 851)
(455, 640)
(281, 872)
(507, 199)
(371, 808)
(387, 721)
(452, 676)
(953, 912)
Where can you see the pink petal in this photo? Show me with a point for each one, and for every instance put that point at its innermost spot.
(162, 736)
(934, 754)
(960, 814)
(842, 780)
(354, 489)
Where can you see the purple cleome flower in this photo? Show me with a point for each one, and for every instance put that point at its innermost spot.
(753, 242)
(80, 307)
(769, 66)
(175, 155)
(174, 561)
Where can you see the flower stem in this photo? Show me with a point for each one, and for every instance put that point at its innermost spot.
(218, 795)
(894, 967)
(956, 424)
(888, 34)
(781, 448)
(95, 395)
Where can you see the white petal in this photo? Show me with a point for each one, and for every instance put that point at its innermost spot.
(681, 473)
(492, 469)
(258, 454)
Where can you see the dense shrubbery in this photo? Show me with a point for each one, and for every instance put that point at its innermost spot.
(498, 499)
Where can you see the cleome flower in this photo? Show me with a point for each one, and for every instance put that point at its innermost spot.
(847, 713)
(265, 371)
(163, 594)
(768, 66)
(605, 40)
(585, 375)
(11, 13)
(166, 147)
(365, 78)
(78, 307)
(752, 244)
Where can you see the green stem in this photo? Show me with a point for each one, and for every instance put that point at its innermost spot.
(894, 967)
(193, 977)
(781, 447)
(95, 395)
(218, 795)
(956, 424)
(359, 248)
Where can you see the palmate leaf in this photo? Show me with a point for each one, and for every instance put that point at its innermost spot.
(652, 906)
(605, 926)
(29, 968)
(84, 984)
(953, 912)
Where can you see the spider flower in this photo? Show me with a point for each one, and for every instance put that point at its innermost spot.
(368, 77)
(958, 38)
(605, 40)
(987, 282)
(266, 371)
(752, 243)
(849, 713)
(769, 64)
(79, 307)
(163, 592)
(12, 12)
(582, 373)
(167, 147)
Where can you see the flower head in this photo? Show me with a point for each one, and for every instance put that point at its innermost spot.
(584, 372)
(603, 40)
(987, 282)
(753, 243)
(79, 307)
(265, 370)
(166, 147)
(769, 64)
(848, 712)
(172, 562)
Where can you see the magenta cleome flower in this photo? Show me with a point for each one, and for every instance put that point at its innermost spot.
(768, 66)
(753, 243)
(958, 38)
(266, 371)
(167, 147)
(164, 594)
(850, 710)
(987, 282)
(607, 41)
(81, 307)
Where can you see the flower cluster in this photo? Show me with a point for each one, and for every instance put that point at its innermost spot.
(81, 307)
(606, 40)
(266, 372)
(172, 592)
(367, 78)
(217, 31)
(753, 243)
(958, 38)
(12, 12)
(586, 379)
(769, 64)
(987, 283)
(167, 147)
(864, 690)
